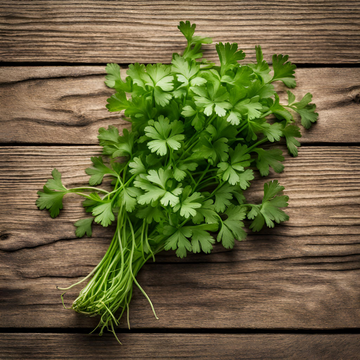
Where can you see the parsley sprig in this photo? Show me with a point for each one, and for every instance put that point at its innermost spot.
(197, 136)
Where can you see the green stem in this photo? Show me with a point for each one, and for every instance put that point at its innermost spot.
(74, 190)
(257, 144)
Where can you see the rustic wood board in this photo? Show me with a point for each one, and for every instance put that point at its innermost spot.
(67, 104)
(145, 31)
(303, 274)
(174, 346)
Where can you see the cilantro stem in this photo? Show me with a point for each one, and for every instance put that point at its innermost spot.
(257, 144)
(88, 188)
(202, 175)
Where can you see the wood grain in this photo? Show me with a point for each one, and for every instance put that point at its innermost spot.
(125, 32)
(175, 346)
(67, 104)
(303, 274)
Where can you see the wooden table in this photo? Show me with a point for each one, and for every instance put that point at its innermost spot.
(289, 292)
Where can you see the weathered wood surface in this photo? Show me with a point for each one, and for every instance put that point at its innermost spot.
(303, 274)
(145, 31)
(67, 104)
(174, 346)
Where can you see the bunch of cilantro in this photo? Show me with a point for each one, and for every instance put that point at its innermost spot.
(197, 131)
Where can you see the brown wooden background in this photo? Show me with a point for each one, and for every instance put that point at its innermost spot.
(292, 292)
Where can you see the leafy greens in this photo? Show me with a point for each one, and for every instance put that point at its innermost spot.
(197, 131)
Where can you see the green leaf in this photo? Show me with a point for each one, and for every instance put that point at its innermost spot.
(103, 214)
(229, 56)
(232, 227)
(166, 135)
(185, 69)
(98, 171)
(308, 116)
(261, 68)
(178, 241)
(284, 70)
(267, 158)
(115, 145)
(83, 226)
(136, 166)
(212, 99)
(291, 97)
(189, 204)
(272, 131)
(50, 200)
(291, 132)
(114, 81)
(306, 111)
(201, 239)
(206, 213)
(150, 214)
(249, 107)
(279, 111)
(212, 151)
(223, 197)
(117, 102)
(55, 183)
(269, 211)
(239, 159)
(155, 187)
(187, 30)
(128, 198)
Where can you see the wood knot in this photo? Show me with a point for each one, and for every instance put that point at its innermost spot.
(4, 235)
(356, 99)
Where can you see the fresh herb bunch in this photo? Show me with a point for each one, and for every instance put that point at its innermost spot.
(197, 131)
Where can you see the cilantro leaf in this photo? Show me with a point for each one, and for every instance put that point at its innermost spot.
(284, 70)
(186, 69)
(232, 227)
(306, 111)
(155, 187)
(224, 195)
(136, 166)
(279, 111)
(178, 241)
(50, 200)
(117, 102)
(114, 81)
(103, 213)
(269, 211)
(83, 226)
(181, 167)
(261, 68)
(229, 56)
(98, 171)
(211, 99)
(166, 135)
(267, 158)
(239, 159)
(187, 30)
(201, 239)
(291, 132)
(151, 214)
(193, 50)
(115, 145)
(189, 204)
(206, 213)
(273, 132)
(128, 198)
(55, 183)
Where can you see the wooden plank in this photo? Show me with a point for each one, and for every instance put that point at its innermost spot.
(303, 274)
(180, 346)
(67, 104)
(125, 32)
